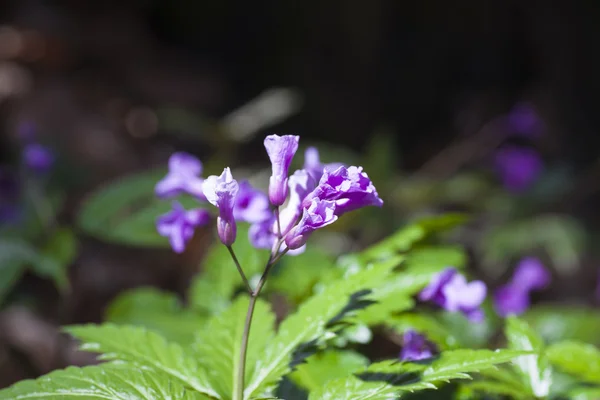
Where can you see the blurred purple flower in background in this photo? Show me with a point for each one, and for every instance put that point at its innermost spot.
(415, 347)
(37, 158)
(9, 197)
(221, 192)
(524, 120)
(281, 150)
(313, 165)
(518, 167)
(183, 177)
(450, 290)
(179, 225)
(251, 204)
(513, 298)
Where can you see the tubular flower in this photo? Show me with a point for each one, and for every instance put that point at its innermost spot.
(281, 150)
(350, 188)
(300, 184)
(251, 205)
(320, 213)
(415, 347)
(183, 177)
(221, 191)
(450, 290)
(178, 225)
(513, 298)
(313, 165)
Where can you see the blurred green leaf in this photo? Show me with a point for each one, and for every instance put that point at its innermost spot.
(156, 310)
(125, 211)
(581, 360)
(436, 257)
(429, 325)
(584, 393)
(323, 367)
(565, 322)
(562, 237)
(534, 368)
(62, 249)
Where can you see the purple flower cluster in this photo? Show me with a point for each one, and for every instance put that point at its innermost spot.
(415, 347)
(35, 156)
(513, 298)
(314, 197)
(450, 290)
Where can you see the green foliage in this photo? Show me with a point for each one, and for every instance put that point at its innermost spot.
(156, 310)
(144, 348)
(311, 324)
(388, 378)
(107, 381)
(561, 322)
(578, 359)
(218, 343)
(322, 367)
(535, 369)
(125, 210)
(430, 325)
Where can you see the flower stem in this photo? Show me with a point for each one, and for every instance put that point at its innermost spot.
(279, 233)
(240, 270)
(239, 384)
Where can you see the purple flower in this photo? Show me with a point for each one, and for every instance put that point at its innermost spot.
(313, 165)
(221, 192)
(37, 157)
(281, 150)
(300, 184)
(524, 120)
(320, 213)
(261, 234)
(178, 225)
(510, 299)
(513, 298)
(450, 290)
(518, 167)
(531, 274)
(350, 188)
(415, 347)
(251, 205)
(183, 177)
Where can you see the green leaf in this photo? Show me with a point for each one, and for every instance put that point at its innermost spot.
(145, 348)
(579, 359)
(535, 368)
(62, 249)
(429, 325)
(211, 291)
(497, 388)
(434, 257)
(107, 381)
(125, 210)
(296, 276)
(218, 344)
(323, 367)
(156, 310)
(560, 322)
(407, 237)
(584, 393)
(311, 323)
(382, 380)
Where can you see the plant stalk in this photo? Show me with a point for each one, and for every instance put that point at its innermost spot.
(240, 270)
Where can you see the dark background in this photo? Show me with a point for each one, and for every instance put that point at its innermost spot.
(430, 72)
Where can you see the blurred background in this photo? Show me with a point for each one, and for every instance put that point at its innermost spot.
(483, 107)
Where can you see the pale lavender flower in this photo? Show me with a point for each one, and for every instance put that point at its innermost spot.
(518, 167)
(313, 165)
(415, 347)
(37, 157)
(450, 290)
(221, 191)
(513, 298)
(262, 235)
(179, 224)
(183, 177)
(281, 150)
(320, 213)
(251, 205)
(300, 184)
(350, 188)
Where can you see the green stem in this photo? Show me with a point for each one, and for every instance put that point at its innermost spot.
(240, 270)
(239, 384)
